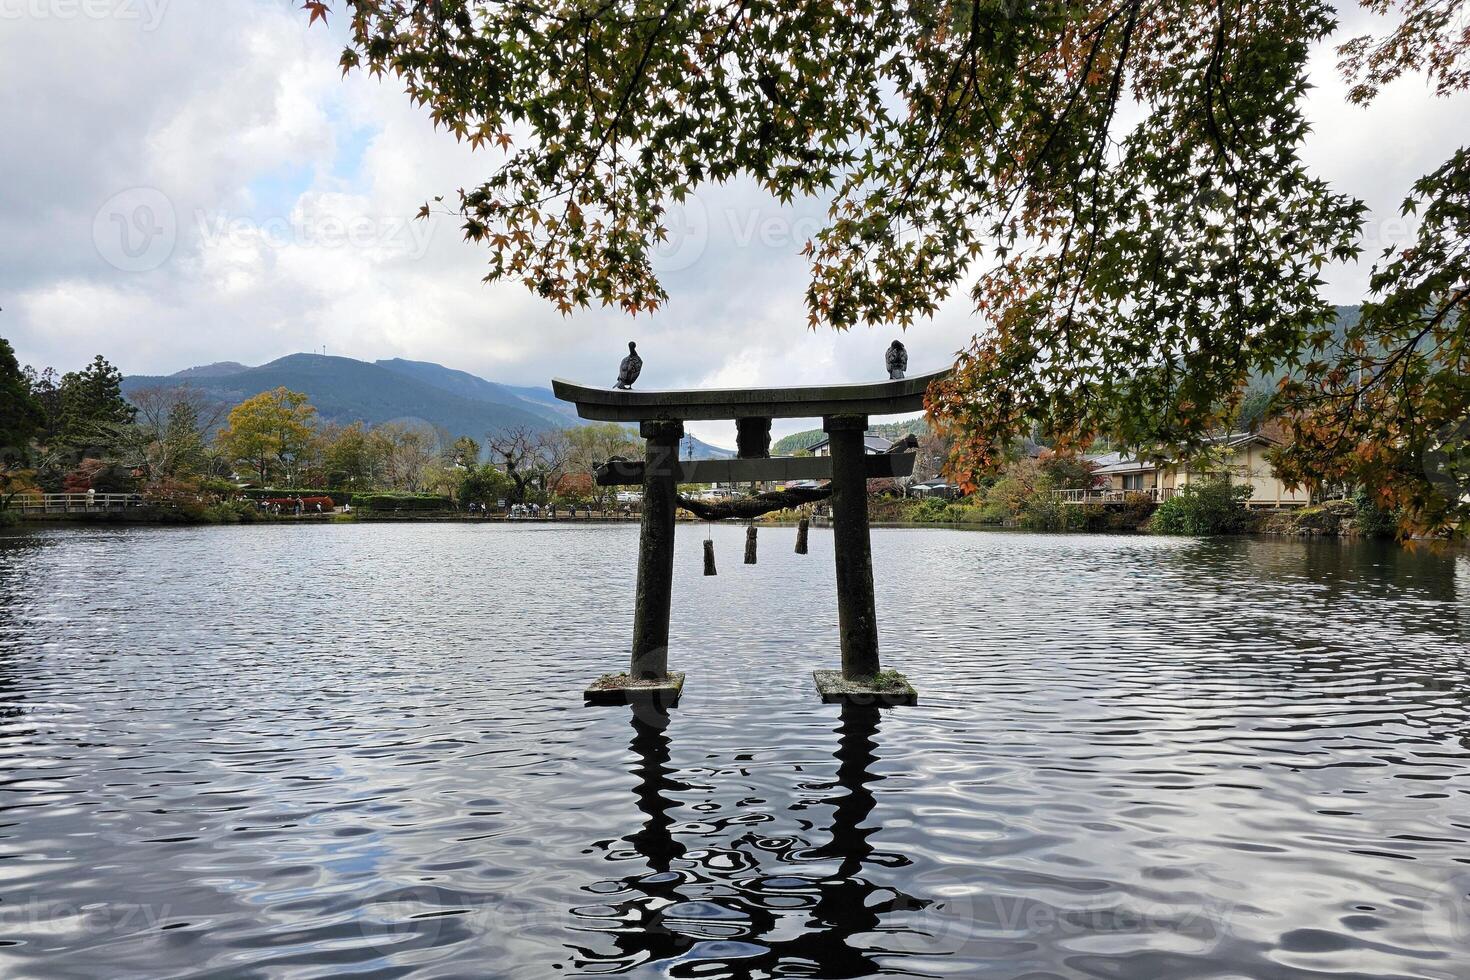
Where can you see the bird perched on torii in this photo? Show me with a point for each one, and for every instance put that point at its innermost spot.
(631, 367)
(896, 360)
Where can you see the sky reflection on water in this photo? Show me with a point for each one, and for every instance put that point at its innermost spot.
(283, 751)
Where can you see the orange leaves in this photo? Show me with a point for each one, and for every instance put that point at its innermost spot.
(319, 10)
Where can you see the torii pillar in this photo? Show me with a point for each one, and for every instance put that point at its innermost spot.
(857, 620)
(656, 552)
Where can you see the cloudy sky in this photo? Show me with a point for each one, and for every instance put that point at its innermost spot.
(188, 181)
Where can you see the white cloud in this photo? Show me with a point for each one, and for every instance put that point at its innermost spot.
(1375, 152)
(290, 191)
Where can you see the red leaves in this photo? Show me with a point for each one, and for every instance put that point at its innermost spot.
(319, 10)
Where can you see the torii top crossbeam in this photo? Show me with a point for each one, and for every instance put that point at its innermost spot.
(868, 398)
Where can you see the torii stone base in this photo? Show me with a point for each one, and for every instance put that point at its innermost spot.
(615, 689)
(837, 689)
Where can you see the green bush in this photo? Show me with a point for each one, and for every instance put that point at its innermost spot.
(1091, 517)
(1372, 521)
(220, 487)
(232, 512)
(1208, 507)
(1044, 511)
(994, 512)
(9, 518)
(401, 501)
(935, 510)
(485, 485)
(930, 510)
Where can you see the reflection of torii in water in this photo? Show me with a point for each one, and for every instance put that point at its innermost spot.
(731, 900)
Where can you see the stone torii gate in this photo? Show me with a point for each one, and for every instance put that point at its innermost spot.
(844, 410)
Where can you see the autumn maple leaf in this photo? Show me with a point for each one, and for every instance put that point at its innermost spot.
(318, 9)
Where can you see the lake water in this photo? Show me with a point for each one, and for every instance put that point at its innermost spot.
(290, 751)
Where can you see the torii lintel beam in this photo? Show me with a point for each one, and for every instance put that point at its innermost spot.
(867, 398)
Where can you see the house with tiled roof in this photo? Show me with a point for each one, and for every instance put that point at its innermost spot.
(873, 445)
(1240, 456)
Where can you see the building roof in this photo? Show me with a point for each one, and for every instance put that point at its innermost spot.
(1115, 464)
(1100, 460)
(871, 442)
(1125, 466)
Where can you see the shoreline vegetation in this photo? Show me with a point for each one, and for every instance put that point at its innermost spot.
(172, 456)
(1334, 519)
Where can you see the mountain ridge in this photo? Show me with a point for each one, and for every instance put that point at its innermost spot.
(346, 390)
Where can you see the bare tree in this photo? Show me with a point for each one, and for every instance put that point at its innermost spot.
(593, 445)
(532, 459)
(174, 426)
(932, 454)
(515, 450)
(553, 456)
(407, 452)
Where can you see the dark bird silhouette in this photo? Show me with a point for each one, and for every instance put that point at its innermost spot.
(897, 360)
(631, 367)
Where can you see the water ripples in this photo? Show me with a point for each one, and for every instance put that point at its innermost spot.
(308, 751)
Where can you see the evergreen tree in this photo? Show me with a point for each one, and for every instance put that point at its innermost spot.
(92, 408)
(20, 413)
(46, 389)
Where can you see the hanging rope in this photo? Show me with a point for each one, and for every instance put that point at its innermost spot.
(749, 508)
(709, 557)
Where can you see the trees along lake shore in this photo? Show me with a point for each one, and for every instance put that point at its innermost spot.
(178, 456)
(174, 453)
